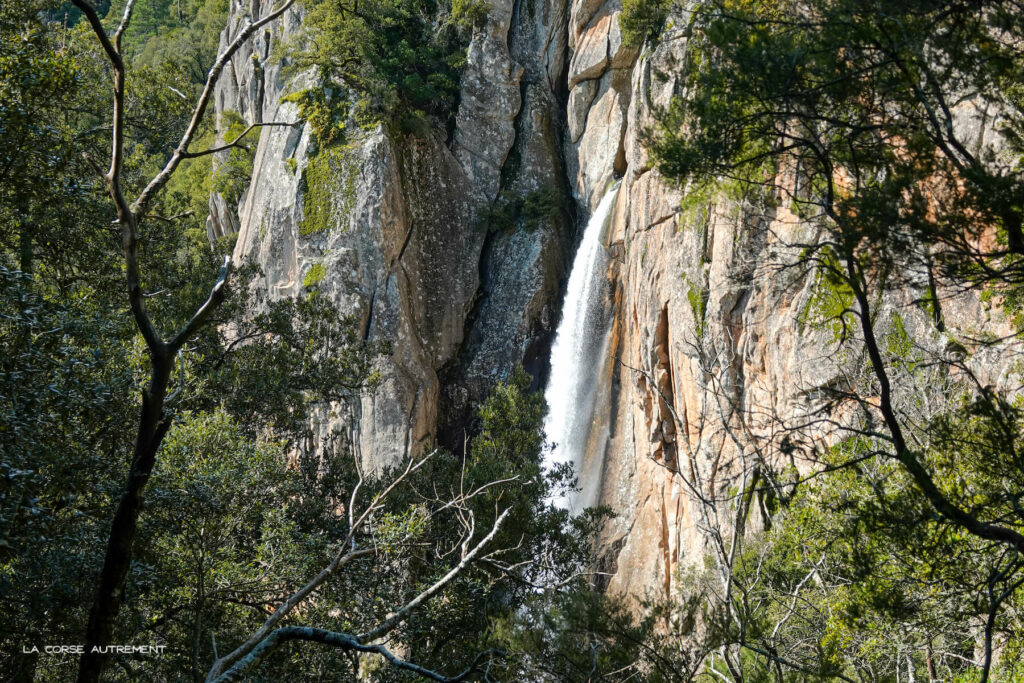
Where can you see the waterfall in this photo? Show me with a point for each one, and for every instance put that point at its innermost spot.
(577, 354)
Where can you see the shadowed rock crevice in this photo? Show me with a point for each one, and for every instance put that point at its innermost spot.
(527, 225)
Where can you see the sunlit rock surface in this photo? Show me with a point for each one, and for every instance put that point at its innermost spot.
(553, 101)
(407, 249)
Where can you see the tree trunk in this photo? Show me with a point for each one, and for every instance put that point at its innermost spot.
(110, 589)
(1012, 221)
(25, 249)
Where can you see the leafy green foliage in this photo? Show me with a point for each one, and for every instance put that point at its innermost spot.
(45, 103)
(584, 635)
(222, 534)
(183, 33)
(233, 525)
(70, 375)
(880, 584)
(73, 362)
(67, 375)
(643, 20)
(398, 60)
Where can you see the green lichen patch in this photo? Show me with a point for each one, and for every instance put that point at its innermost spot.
(1009, 298)
(830, 303)
(329, 188)
(314, 276)
(327, 110)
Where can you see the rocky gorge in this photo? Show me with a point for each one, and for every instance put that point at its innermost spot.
(708, 350)
(512, 340)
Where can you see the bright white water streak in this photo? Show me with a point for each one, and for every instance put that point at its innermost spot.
(576, 353)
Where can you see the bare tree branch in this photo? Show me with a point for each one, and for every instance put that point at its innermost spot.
(343, 641)
(390, 623)
(237, 142)
(217, 295)
(180, 152)
(233, 665)
(341, 559)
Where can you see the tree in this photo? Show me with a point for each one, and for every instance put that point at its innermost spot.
(399, 61)
(853, 118)
(153, 422)
(40, 177)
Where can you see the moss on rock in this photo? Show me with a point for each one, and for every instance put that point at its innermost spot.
(329, 188)
(314, 276)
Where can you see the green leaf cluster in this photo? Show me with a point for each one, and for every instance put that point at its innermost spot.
(857, 577)
(399, 61)
(643, 20)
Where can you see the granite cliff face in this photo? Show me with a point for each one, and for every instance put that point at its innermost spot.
(707, 329)
(711, 354)
(403, 247)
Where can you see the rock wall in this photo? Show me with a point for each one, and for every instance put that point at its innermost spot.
(707, 327)
(399, 238)
(710, 337)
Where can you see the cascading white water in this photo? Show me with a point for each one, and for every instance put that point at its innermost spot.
(576, 353)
